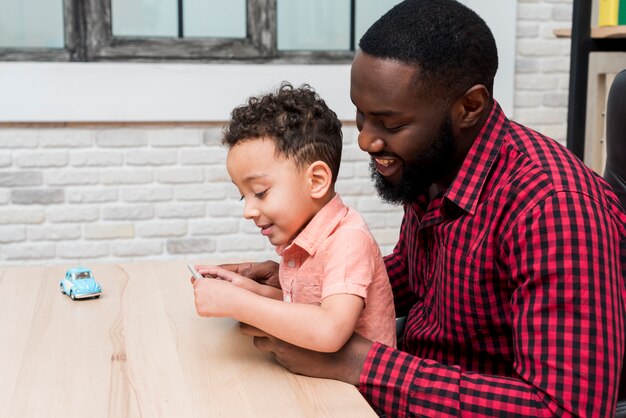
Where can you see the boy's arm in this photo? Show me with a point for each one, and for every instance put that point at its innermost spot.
(320, 328)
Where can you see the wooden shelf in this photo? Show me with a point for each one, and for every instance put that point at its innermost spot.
(598, 32)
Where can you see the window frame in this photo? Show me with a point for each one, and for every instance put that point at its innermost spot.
(88, 38)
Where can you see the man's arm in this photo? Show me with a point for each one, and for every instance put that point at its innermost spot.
(568, 319)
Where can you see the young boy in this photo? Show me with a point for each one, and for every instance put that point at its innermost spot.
(284, 155)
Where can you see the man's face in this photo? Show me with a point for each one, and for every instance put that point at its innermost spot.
(408, 134)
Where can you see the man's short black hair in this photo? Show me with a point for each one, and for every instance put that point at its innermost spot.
(450, 44)
(299, 122)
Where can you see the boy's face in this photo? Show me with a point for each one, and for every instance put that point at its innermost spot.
(275, 193)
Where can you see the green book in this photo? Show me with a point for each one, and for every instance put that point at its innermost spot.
(621, 15)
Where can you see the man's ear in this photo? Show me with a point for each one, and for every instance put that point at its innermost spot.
(468, 110)
(320, 178)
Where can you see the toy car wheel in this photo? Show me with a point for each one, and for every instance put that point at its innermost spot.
(72, 295)
(97, 296)
(61, 287)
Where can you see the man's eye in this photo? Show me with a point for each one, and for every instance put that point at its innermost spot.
(393, 128)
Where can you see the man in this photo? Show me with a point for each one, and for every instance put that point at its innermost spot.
(509, 261)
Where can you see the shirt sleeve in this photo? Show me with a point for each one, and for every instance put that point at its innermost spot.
(397, 270)
(567, 319)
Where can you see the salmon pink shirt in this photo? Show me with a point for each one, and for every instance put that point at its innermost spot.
(337, 254)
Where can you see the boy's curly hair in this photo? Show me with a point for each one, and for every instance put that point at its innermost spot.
(299, 122)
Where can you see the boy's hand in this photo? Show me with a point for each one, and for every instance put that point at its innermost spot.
(213, 297)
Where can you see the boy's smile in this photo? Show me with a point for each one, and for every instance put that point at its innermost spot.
(275, 191)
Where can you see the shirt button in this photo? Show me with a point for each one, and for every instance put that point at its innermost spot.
(287, 298)
(291, 263)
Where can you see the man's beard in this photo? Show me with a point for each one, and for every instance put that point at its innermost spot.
(426, 168)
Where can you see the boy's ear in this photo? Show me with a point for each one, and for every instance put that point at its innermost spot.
(320, 178)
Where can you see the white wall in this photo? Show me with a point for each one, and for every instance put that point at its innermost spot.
(61, 92)
(111, 193)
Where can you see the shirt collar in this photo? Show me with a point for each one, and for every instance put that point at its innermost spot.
(466, 188)
(319, 228)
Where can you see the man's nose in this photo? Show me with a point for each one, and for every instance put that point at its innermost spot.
(370, 141)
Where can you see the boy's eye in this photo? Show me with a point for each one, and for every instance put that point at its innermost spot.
(260, 195)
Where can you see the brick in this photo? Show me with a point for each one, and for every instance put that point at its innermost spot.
(137, 248)
(91, 195)
(354, 153)
(162, 229)
(175, 137)
(542, 116)
(534, 12)
(21, 178)
(181, 210)
(109, 231)
(121, 138)
(372, 204)
(6, 160)
(10, 234)
(536, 82)
(66, 138)
(527, 29)
(136, 176)
(239, 243)
(214, 227)
(528, 99)
(527, 65)
(556, 99)
(204, 156)
(205, 191)
(190, 246)
(64, 214)
(147, 194)
(227, 208)
(41, 159)
(29, 251)
(83, 250)
(151, 157)
(37, 196)
(217, 173)
(180, 175)
(71, 177)
(556, 65)
(346, 171)
(355, 187)
(18, 138)
(21, 215)
(97, 158)
(127, 212)
(562, 12)
(212, 136)
(54, 232)
(4, 196)
(538, 48)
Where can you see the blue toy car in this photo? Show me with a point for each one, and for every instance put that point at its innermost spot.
(79, 283)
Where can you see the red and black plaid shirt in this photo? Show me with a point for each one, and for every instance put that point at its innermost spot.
(512, 283)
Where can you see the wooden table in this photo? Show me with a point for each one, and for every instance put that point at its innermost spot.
(140, 350)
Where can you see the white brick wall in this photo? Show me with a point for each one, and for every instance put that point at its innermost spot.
(107, 194)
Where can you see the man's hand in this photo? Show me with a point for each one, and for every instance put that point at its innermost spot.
(265, 272)
(345, 365)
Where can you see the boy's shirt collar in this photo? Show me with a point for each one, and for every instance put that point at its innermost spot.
(319, 228)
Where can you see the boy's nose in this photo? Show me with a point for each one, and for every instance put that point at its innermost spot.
(250, 211)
